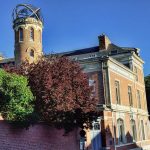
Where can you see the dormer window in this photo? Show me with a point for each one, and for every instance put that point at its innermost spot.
(114, 52)
(127, 65)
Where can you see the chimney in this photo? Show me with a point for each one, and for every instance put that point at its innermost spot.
(103, 42)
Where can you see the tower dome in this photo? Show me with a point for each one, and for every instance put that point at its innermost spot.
(28, 26)
(26, 11)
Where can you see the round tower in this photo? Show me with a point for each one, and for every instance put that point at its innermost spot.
(27, 25)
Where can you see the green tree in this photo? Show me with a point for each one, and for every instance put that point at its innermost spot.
(147, 86)
(16, 98)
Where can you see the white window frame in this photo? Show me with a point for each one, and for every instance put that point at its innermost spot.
(119, 93)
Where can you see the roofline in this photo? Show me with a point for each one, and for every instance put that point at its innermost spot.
(139, 58)
(120, 64)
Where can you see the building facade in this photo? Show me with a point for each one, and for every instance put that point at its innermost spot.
(116, 76)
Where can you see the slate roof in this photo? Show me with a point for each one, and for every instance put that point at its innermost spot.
(111, 47)
(81, 51)
(103, 52)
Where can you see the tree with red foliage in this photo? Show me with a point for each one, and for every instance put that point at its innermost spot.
(63, 95)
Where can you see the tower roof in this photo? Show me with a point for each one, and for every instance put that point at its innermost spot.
(25, 11)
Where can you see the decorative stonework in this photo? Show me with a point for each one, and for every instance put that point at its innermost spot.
(120, 115)
(26, 23)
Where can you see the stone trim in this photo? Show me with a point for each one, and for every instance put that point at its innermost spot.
(121, 108)
(27, 26)
(120, 70)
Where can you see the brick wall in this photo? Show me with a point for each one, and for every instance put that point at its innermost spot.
(38, 137)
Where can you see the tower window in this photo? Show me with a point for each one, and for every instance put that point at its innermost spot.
(40, 36)
(32, 53)
(20, 34)
(31, 34)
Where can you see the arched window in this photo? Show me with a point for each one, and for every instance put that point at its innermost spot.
(121, 132)
(31, 34)
(133, 130)
(20, 34)
(40, 36)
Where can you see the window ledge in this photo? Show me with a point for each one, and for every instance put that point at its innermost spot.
(125, 144)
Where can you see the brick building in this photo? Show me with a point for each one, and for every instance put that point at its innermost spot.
(116, 75)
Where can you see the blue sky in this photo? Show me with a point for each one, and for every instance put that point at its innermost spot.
(75, 24)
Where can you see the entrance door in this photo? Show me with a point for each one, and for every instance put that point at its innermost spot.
(96, 136)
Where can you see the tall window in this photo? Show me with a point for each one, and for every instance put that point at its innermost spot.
(121, 132)
(130, 95)
(31, 34)
(117, 92)
(142, 130)
(20, 34)
(92, 86)
(139, 98)
(133, 130)
(146, 130)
